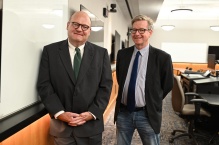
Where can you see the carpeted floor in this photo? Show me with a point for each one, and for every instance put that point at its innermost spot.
(170, 122)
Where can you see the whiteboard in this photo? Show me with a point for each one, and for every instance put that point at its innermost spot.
(186, 52)
(27, 27)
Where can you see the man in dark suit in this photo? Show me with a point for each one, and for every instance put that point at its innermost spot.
(74, 84)
(145, 77)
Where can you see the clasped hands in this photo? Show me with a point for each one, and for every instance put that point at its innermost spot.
(74, 119)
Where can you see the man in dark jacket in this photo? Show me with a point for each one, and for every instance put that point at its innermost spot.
(145, 77)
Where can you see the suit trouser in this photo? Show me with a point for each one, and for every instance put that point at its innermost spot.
(73, 140)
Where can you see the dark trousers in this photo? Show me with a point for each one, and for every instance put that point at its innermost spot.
(73, 140)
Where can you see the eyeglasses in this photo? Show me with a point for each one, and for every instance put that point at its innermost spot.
(141, 31)
(77, 25)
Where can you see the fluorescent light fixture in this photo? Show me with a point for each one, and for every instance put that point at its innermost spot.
(96, 28)
(167, 27)
(182, 11)
(215, 28)
(48, 26)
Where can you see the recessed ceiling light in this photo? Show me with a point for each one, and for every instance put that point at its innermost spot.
(167, 27)
(48, 26)
(96, 28)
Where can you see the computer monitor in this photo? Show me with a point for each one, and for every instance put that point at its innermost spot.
(211, 61)
(214, 50)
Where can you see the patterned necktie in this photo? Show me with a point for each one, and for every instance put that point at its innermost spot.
(132, 84)
(77, 61)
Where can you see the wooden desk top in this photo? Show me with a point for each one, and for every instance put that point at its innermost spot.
(179, 69)
(213, 99)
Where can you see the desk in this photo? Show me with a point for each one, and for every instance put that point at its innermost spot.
(213, 99)
(207, 80)
(187, 81)
(208, 85)
(213, 107)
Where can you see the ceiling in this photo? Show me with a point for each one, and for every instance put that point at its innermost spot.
(205, 12)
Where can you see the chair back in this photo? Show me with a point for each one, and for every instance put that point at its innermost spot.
(178, 97)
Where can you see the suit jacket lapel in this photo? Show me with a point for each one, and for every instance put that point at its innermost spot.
(151, 61)
(66, 59)
(127, 60)
(86, 60)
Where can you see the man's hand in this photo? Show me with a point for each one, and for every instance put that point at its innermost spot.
(87, 116)
(81, 119)
(73, 119)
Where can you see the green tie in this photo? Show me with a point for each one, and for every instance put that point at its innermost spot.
(77, 61)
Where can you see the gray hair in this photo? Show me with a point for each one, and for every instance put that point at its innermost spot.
(144, 18)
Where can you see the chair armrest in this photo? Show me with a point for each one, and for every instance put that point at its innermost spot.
(197, 103)
(192, 94)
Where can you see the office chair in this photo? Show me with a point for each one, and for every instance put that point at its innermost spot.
(190, 112)
(213, 125)
(213, 137)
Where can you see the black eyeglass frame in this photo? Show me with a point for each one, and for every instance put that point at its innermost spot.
(77, 25)
(140, 31)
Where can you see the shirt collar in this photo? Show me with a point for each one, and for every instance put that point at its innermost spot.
(143, 51)
(73, 47)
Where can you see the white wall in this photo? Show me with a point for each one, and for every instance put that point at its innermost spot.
(184, 36)
(23, 38)
(187, 52)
